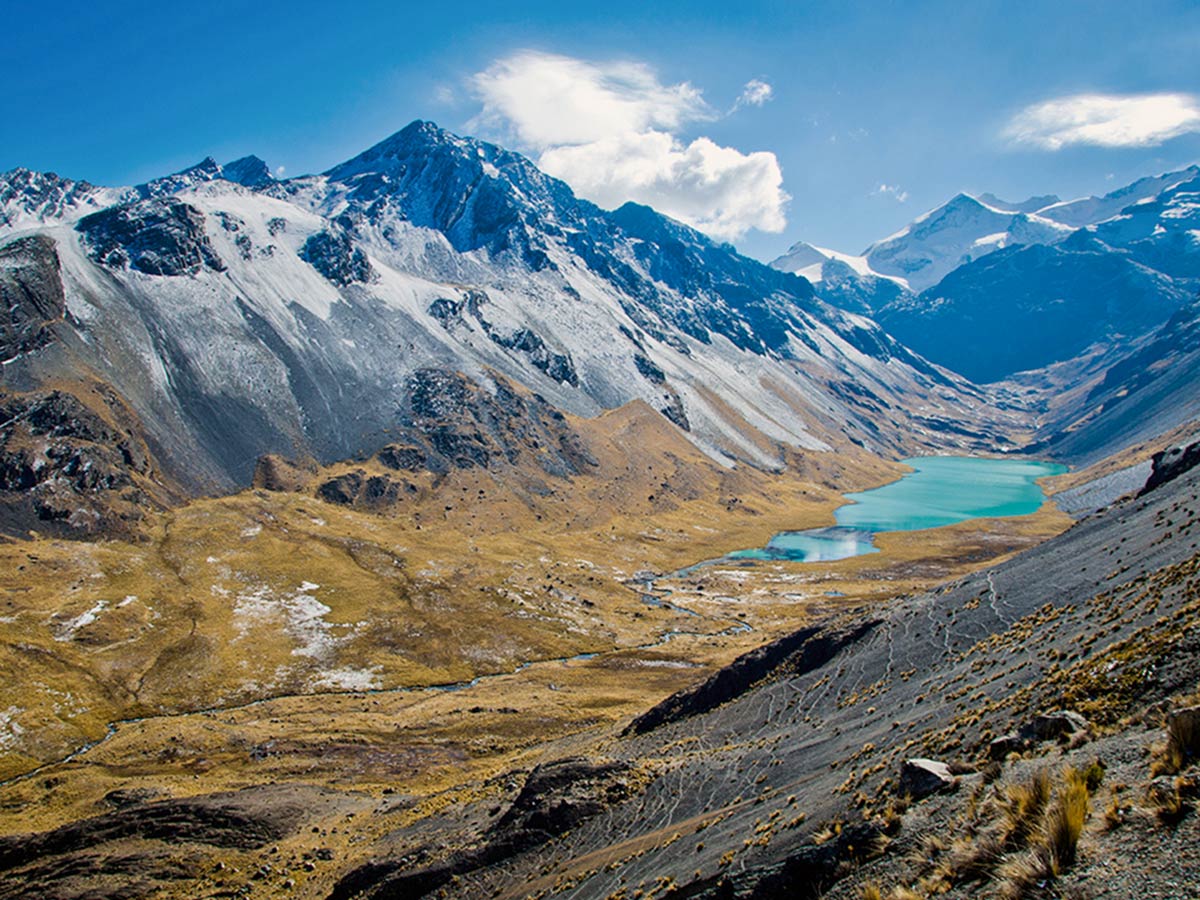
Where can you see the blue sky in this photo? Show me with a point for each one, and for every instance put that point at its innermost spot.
(863, 114)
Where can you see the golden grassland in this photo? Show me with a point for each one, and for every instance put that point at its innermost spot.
(274, 638)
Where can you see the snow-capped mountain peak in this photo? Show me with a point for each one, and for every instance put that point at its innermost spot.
(962, 229)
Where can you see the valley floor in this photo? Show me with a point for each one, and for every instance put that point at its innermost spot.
(367, 672)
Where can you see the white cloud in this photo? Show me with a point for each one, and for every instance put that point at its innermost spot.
(549, 100)
(1106, 120)
(611, 131)
(715, 189)
(755, 93)
(892, 190)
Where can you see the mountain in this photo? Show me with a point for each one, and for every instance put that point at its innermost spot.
(1092, 210)
(1144, 393)
(1029, 306)
(966, 228)
(303, 317)
(1016, 293)
(844, 281)
(1032, 205)
(957, 232)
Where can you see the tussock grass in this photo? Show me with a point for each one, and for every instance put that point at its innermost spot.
(1023, 808)
(1065, 819)
(1181, 748)
(1027, 833)
(1054, 841)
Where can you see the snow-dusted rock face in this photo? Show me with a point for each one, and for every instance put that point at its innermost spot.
(239, 315)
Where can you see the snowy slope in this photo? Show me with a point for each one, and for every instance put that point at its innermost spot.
(841, 279)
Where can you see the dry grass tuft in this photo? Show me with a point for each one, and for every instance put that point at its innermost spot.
(1182, 745)
(1170, 801)
(1052, 838)
(1023, 806)
(1065, 819)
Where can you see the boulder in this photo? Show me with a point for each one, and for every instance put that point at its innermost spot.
(1054, 726)
(1169, 464)
(922, 777)
(1006, 744)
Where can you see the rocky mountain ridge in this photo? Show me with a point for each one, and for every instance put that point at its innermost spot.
(238, 315)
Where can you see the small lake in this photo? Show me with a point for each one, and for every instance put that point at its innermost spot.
(942, 490)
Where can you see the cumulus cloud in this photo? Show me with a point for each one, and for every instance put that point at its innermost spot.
(890, 190)
(611, 131)
(715, 189)
(1106, 120)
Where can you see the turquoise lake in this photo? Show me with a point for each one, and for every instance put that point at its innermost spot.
(942, 490)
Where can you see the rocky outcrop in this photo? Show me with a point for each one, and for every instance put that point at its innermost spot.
(140, 848)
(795, 654)
(234, 820)
(451, 421)
(249, 171)
(336, 257)
(460, 424)
(556, 798)
(31, 295)
(39, 195)
(65, 469)
(273, 472)
(1169, 464)
(1054, 726)
(158, 236)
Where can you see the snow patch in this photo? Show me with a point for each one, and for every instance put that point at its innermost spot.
(67, 630)
(11, 731)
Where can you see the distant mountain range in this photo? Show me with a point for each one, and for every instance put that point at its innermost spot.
(990, 288)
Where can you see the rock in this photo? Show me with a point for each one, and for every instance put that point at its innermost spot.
(556, 797)
(1054, 726)
(66, 467)
(42, 195)
(1183, 727)
(31, 294)
(249, 171)
(402, 458)
(1169, 464)
(240, 820)
(343, 489)
(922, 777)
(335, 256)
(160, 236)
(1006, 744)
